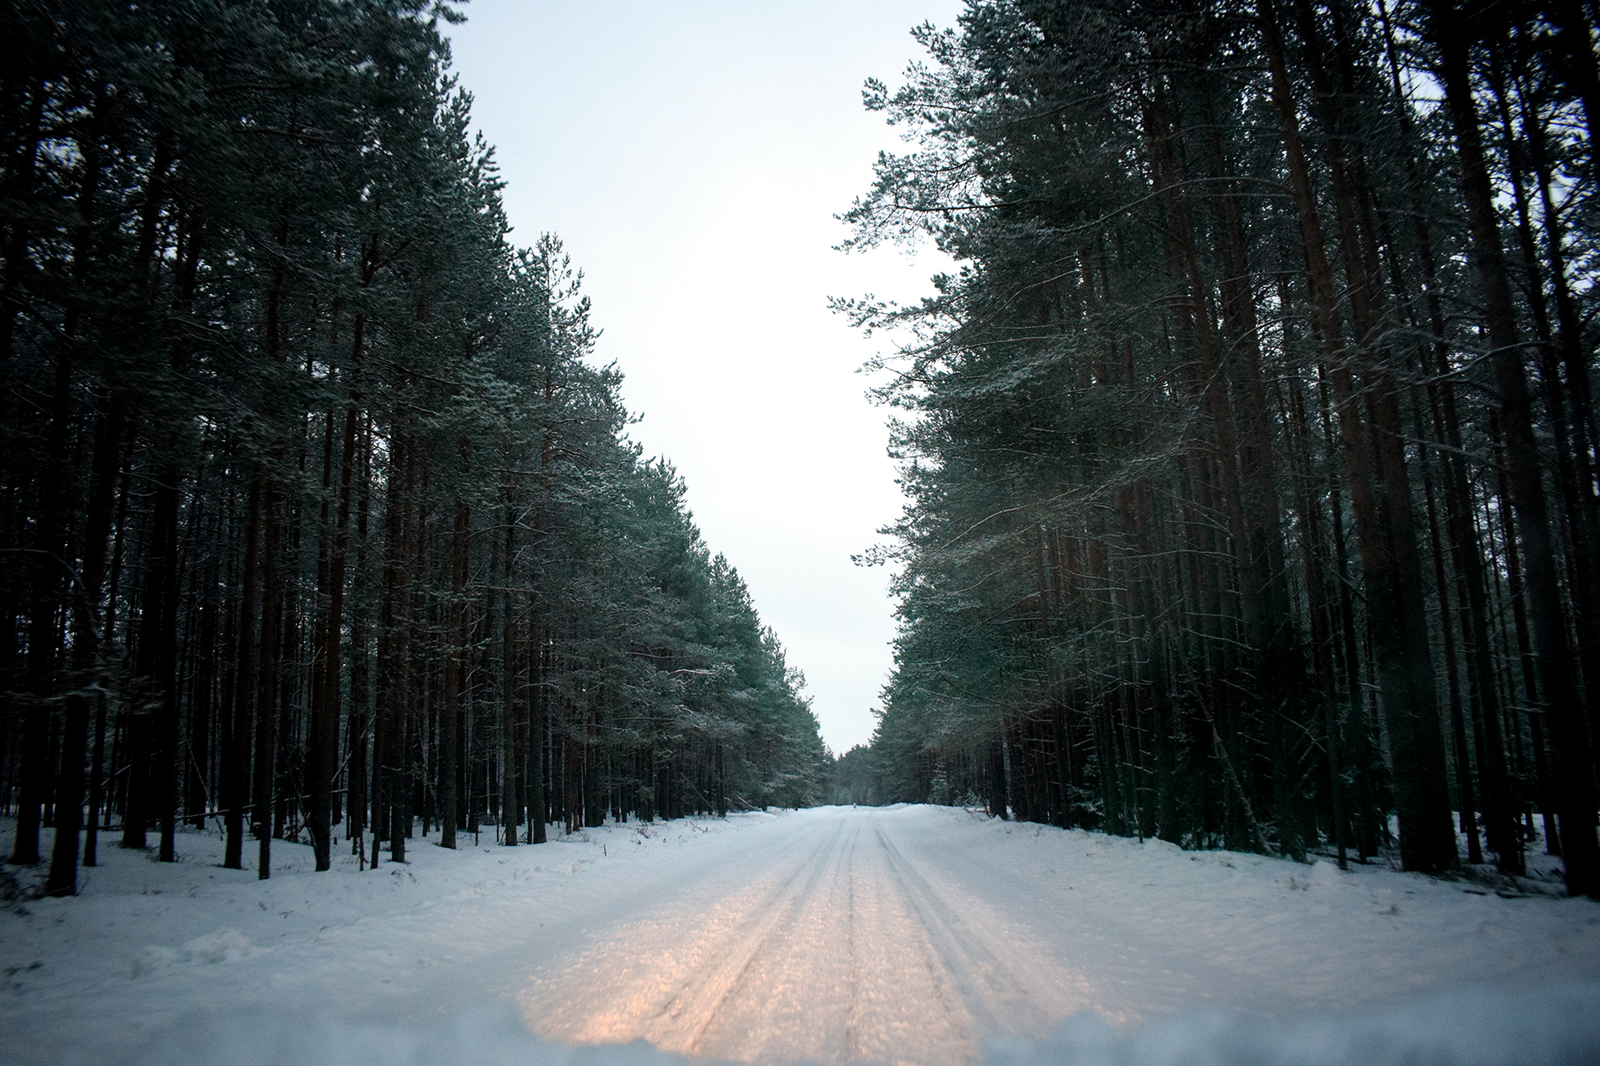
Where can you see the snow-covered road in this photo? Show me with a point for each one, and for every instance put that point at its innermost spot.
(910, 934)
(824, 942)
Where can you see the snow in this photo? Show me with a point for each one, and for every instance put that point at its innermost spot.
(900, 934)
(1478, 1027)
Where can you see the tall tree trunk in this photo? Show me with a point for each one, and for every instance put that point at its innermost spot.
(322, 751)
(264, 791)
(1465, 550)
(155, 661)
(360, 725)
(1380, 500)
(455, 697)
(394, 644)
(1574, 764)
(538, 699)
(1265, 575)
(239, 718)
(511, 666)
(88, 633)
(1581, 507)
(44, 627)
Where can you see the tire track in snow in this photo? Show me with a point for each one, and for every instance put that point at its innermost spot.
(848, 976)
(832, 947)
(664, 978)
(1006, 984)
(689, 1014)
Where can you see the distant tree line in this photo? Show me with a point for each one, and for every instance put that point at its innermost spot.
(1251, 451)
(316, 516)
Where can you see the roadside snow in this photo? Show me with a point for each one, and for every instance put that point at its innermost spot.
(1157, 930)
(146, 944)
(1558, 1026)
(424, 962)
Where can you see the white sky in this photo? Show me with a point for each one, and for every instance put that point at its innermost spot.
(692, 155)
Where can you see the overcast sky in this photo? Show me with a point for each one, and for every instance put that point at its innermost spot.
(692, 154)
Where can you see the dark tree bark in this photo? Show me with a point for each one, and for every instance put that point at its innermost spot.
(239, 718)
(322, 753)
(1380, 500)
(266, 740)
(538, 727)
(1574, 764)
(455, 696)
(88, 633)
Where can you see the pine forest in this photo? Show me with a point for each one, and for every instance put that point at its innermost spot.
(320, 517)
(1250, 446)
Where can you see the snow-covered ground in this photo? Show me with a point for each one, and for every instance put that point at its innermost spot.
(903, 934)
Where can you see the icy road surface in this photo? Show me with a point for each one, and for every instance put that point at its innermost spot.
(836, 940)
(910, 934)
